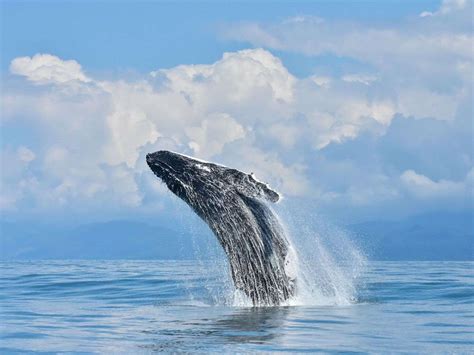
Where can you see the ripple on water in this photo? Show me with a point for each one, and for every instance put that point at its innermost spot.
(143, 306)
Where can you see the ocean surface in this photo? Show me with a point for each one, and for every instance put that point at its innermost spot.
(179, 306)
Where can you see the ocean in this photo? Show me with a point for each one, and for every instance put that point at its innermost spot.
(187, 306)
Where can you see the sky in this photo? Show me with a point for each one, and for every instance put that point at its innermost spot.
(360, 110)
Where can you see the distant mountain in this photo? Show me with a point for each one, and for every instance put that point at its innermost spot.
(109, 240)
(434, 236)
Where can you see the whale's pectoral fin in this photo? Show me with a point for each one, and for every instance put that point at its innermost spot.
(247, 185)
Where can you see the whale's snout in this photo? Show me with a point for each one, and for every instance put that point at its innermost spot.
(156, 162)
(166, 165)
(156, 157)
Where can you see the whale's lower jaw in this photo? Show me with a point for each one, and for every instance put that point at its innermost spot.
(246, 228)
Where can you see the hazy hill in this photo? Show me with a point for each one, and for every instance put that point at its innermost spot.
(437, 236)
(434, 236)
(109, 240)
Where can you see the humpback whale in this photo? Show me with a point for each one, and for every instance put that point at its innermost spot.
(234, 206)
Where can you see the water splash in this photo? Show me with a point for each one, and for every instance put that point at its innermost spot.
(327, 264)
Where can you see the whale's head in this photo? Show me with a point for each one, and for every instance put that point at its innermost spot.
(187, 177)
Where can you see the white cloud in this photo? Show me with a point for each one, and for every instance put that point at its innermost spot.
(419, 102)
(324, 81)
(446, 7)
(365, 79)
(95, 136)
(286, 134)
(46, 68)
(379, 191)
(290, 179)
(340, 110)
(247, 96)
(331, 138)
(129, 129)
(430, 57)
(239, 84)
(208, 139)
(413, 46)
(25, 154)
(243, 73)
(423, 187)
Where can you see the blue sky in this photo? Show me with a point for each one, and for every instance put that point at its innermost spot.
(361, 110)
(141, 36)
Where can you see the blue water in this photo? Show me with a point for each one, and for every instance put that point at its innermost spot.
(175, 306)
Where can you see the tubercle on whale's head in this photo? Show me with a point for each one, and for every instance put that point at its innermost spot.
(181, 166)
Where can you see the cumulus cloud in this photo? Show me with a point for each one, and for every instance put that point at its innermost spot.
(208, 139)
(427, 60)
(242, 73)
(96, 134)
(412, 44)
(398, 130)
(129, 130)
(46, 68)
